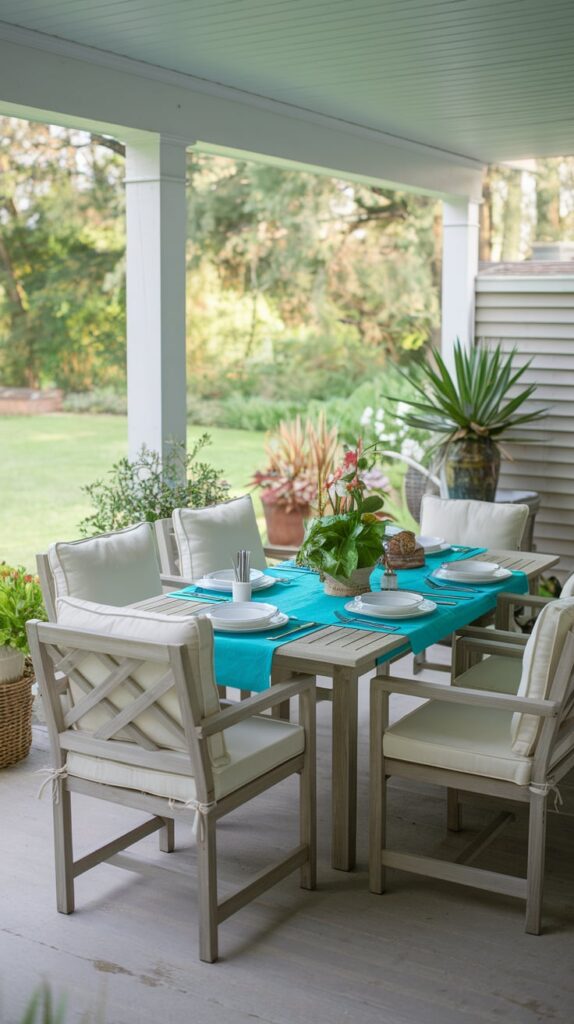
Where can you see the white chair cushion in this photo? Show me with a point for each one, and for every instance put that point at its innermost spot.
(134, 624)
(481, 523)
(541, 657)
(460, 738)
(114, 568)
(568, 588)
(497, 673)
(207, 538)
(255, 746)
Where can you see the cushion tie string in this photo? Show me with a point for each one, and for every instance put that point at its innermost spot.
(201, 812)
(545, 788)
(54, 776)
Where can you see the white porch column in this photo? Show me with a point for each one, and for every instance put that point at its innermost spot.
(459, 270)
(156, 233)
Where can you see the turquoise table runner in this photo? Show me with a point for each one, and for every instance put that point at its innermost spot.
(244, 660)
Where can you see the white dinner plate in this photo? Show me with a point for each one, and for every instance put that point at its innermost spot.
(379, 602)
(242, 613)
(471, 567)
(273, 623)
(460, 577)
(222, 580)
(424, 608)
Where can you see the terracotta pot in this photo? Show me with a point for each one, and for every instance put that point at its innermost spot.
(472, 467)
(358, 583)
(285, 528)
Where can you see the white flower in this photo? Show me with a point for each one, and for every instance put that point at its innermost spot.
(412, 449)
(380, 430)
(402, 408)
(379, 415)
(366, 417)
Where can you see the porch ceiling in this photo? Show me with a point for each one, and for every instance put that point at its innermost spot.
(490, 80)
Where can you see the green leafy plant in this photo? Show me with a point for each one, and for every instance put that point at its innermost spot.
(352, 537)
(149, 488)
(20, 600)
(475, 401)
(42, 1010)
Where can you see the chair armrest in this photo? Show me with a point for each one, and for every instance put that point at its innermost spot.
(503, 636)
(505, 602)
(174, 582)
(254, 705)
(463, 695)
(280, 551)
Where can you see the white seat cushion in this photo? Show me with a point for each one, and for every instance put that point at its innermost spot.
(134, 624)
(497, 673)
(113, 568)
(255, 747)
(481, 523)
(541, 656)
(207, 538)
(460, 738)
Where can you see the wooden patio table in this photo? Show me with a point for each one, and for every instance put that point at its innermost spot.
(344, 654)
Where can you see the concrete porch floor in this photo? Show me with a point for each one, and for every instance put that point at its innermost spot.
(424, 953)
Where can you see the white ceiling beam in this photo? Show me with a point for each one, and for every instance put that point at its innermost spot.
(43, 78)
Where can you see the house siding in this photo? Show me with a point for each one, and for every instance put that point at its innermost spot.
(535, 315)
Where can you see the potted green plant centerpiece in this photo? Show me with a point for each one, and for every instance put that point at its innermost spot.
(345, 541)
(20, 600)
(470, 412)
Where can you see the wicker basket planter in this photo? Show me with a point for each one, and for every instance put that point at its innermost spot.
(16, 701)
(358, 583)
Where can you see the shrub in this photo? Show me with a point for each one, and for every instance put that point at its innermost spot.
(100, 400)
(147, 489)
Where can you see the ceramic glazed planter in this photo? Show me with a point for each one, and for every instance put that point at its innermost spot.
(286, 529)
(358, 583)
(11, 664)
(472, 467)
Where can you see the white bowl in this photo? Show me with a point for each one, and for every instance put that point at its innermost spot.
(385, 599)
(470, 567)
(238, 613)
(430, 543)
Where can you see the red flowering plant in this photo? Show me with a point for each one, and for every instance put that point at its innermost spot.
(299, 456)
(349, 531)
(20, 600)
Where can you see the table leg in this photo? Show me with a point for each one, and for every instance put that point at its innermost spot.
(344, 769)
(279, 675)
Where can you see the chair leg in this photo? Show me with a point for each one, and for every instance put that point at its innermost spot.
(453, 811)
(308, 793)
(167, 836)
(419, 662)
(535, 871)
(207, 891)
(63, 852)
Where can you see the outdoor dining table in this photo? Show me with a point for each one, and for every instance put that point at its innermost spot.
(343, 652)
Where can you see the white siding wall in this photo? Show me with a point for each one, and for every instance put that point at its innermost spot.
(536, 315)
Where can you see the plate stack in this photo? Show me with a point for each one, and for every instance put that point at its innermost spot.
(222, 580)
(431, 545)
(391, 604)
(245, 617)
(472, 570)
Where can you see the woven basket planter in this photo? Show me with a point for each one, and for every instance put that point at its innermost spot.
(358, 583)
(16, 701)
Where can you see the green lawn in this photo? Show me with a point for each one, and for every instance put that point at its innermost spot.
(47, 459)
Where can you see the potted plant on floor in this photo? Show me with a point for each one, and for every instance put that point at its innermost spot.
(299, 457)
(470, 412)
(345, 541)
(20, 600)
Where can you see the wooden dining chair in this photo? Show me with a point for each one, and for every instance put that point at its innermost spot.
(117, 568)
(197, 541)
(143, 728)
(477, 737)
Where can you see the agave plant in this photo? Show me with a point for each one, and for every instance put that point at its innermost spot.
(476, 401)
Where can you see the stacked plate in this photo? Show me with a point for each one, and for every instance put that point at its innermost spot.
(431, 545)
(391, 604)
(222, 580)
(245, 617)
(472, 570)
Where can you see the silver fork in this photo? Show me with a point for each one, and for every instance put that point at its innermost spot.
(366, 621)
(452, 588)
(296, 629)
